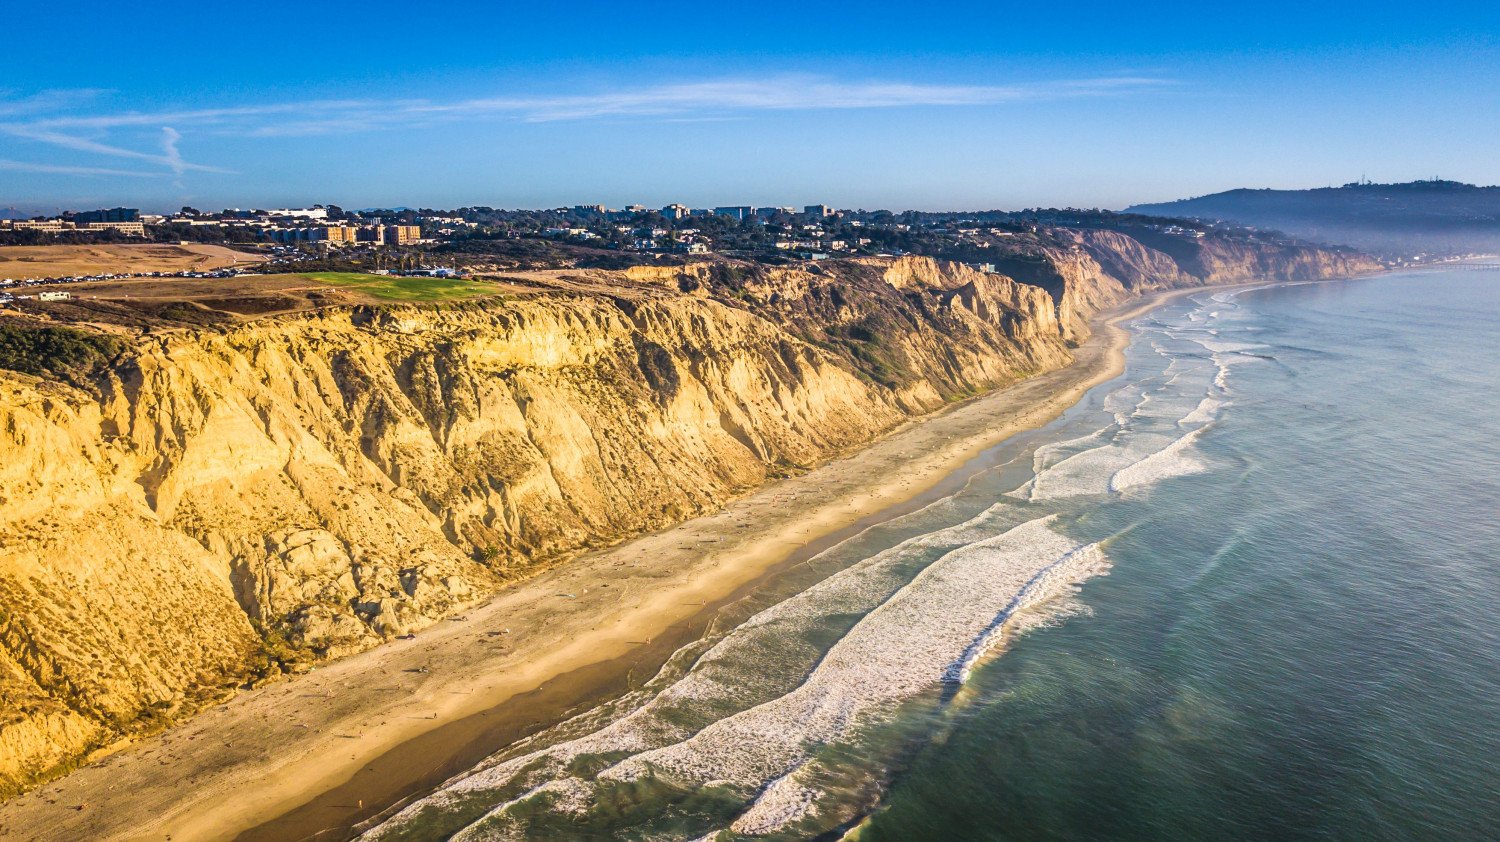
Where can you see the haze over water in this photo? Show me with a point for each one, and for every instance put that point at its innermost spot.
(1293, 492)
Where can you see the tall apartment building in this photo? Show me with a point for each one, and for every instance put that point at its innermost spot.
(331, 234)
(111, 215)
(288, 235)
(675, 211)
(341, 233)
(401, 235)
(818, 210)
(136, 228)
(52, 225)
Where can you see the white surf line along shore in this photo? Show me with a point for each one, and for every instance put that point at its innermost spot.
(758, 662)
(927, 630)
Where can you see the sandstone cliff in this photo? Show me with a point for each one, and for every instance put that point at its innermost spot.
(199, 510)
(1094, 269)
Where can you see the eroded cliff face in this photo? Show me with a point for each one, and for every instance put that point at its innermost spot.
(1094, 269)
(221, 506)
(213, 508)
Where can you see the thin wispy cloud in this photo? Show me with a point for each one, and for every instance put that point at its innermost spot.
(708, 100)
(792, 93)
(40, 133)
(43, 102)
(59, 169)
(169, 138)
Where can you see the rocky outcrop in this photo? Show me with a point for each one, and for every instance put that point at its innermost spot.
(201, 510)
(928, 331)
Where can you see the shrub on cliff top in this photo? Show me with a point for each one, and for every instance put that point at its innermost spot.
(59, 353)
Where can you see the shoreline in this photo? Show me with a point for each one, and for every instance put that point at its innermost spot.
(312, 755)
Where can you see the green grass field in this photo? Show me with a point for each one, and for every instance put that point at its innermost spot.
(393, 288)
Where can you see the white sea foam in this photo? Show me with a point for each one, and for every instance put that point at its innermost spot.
(1226, 354)
(756, 662)
(1048, 455)
(1131, 457)
(1123, 402)
(898, 650)
(1221, 379)
(1175, 460)
(1056, 578)
(1207, 410)
(789, 798)
(1179, 369)
(1171, 403)
(1150, 428)
(786, 800)
(1219, 346)
(1228, 361)
(1089, 472)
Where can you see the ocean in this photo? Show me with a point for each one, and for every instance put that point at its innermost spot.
(1248, 590)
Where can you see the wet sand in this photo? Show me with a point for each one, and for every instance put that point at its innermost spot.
(312, 756)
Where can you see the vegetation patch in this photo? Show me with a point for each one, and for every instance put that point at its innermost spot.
(58, 353)
(398, 288)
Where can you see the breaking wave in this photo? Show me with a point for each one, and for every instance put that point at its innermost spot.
(725, 726)
(1129, 457)
(1207, 410)
(1175, 460)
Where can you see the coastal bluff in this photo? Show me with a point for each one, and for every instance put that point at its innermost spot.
(187, 512)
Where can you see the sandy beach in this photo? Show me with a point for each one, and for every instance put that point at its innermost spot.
(310, 756)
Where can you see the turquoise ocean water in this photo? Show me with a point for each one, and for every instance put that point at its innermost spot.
(1248, 590)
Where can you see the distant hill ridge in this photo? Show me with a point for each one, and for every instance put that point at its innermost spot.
(1436, 217)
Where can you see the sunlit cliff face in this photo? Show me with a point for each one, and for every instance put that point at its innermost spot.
(216, 507)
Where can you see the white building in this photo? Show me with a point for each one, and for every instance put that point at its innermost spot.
(301, 213)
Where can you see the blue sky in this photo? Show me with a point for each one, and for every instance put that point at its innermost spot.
(895, 105)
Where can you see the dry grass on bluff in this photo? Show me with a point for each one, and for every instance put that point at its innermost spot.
(137, 303)
(184, 302)
(25, 262)
(144, 303)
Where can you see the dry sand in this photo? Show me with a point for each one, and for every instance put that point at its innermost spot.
(331, 747)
